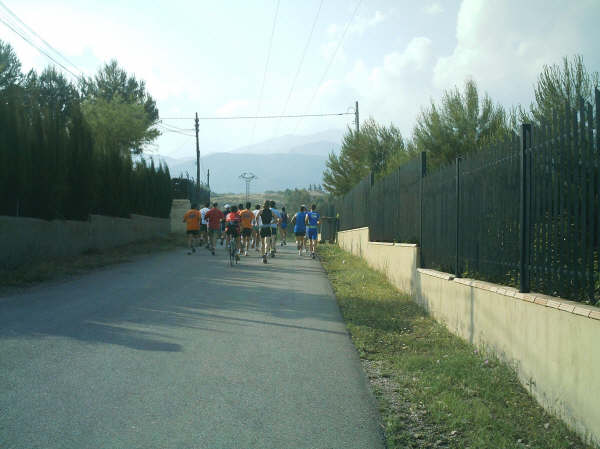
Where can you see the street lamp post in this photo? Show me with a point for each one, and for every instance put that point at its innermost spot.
(248, 178)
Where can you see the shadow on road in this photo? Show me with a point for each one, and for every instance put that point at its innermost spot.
(136, 305)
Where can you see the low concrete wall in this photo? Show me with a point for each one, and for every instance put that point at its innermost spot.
(25, 239)
(551, 342)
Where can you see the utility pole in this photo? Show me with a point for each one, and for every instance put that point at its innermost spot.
(197, 157)
(356, 120)
(248, 178)
(208, 183)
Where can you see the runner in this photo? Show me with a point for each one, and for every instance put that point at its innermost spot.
(214, 217)
(247, 217)
(204, 224)
(266, 217)
(274, 223)
(192, 220)
(233, 230)
(299, 222)
(312, 223)
(256, 228)
(283, 226)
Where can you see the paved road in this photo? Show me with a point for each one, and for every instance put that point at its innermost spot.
(177, 351)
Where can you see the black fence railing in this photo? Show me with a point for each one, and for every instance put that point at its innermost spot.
(524, 212)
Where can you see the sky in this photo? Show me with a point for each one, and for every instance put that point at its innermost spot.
(231, 57)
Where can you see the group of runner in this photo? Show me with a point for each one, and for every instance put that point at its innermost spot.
(250, 229)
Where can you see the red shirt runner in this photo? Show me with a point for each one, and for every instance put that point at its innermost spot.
(214, 217)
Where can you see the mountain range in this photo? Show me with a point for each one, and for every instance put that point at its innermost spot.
(280, 163)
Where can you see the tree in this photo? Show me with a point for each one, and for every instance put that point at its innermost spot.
(561, 85)
(375, 148)
(114, 96)
(10, 66)
(461, 124)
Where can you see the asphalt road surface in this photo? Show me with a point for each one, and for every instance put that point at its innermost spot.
(177, 351)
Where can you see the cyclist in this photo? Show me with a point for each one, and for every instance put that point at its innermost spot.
(247, 217)
(223, 224)
(299, 222)
(232, 229)
(274, 223)
(313, 220)
(266, 217)
(204, 224)
(214, 217)
(192, 220)
(283, 226)
(256, 228)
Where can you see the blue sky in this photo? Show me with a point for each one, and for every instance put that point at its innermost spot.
(209, 57)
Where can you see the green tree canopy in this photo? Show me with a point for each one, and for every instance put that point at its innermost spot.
(375, 148)
(462, 123)
(559, 85)
(10, 66)
(112, 95)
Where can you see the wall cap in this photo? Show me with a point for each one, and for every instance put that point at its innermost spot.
(437, 274)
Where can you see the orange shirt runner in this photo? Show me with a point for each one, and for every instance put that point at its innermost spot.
(247, 216)
(192, 220)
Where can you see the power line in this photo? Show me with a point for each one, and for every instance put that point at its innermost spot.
(240, 117)
(37, 48)
(330, 61)
(262, 87)
(302, 58)
(40, 37)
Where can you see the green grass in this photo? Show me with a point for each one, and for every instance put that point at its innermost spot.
(58, 268)
(434, 389)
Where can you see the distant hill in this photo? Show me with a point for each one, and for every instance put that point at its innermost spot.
(274, 171)
(285, 162)
(285, 144)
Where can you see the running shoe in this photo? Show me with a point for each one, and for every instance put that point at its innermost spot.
(213, 252)
(245, 253)
(265, 258)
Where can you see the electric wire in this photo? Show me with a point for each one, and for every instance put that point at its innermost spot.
(13, 28)
(302, 59)
(262, 87)
(312, 99)
(31, 30)
(241, 117)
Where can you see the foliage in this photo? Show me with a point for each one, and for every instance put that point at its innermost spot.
(120, 111)
(293, 199)
(461, 124)
(559, 86)
(51, 165)
(10, 67)
(375, 148)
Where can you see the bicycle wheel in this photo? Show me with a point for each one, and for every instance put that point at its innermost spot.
(231, 254)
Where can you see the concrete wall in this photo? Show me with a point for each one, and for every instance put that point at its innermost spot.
(178, 209)
(552, 343)
(25, 239)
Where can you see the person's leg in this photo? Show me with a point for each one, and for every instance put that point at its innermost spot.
(213, 239)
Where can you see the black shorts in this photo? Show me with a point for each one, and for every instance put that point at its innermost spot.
(233, 230)
(265, 231)
(202, 228)
(193, 232)
(246, 232)
(299, 234)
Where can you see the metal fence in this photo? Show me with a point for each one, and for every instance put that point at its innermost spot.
(524, 212)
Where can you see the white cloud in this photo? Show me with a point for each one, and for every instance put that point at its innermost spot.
(503, 45)
(391, 91)
(434, 8)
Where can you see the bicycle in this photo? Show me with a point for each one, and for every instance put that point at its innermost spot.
(232, 246)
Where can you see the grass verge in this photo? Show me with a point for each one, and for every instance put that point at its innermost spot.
(434, 389)
(44, 270)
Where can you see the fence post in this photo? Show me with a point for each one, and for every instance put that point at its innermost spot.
(457, 272)
(421, 176)
(524, 211)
